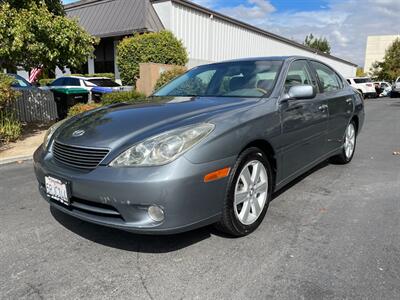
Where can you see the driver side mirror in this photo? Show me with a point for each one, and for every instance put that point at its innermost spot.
(305, 91)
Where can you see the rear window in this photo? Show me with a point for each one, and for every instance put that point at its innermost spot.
(362, 80)
(103, 82)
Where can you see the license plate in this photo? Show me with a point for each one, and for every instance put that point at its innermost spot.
(57, 190)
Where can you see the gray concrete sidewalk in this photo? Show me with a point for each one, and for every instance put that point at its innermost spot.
(22, 149)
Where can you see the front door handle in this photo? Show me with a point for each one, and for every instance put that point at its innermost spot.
(323, 107)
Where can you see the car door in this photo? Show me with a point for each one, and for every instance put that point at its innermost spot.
(303, 121)
(340, 104)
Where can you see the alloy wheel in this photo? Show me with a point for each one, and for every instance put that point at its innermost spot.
(251, 191)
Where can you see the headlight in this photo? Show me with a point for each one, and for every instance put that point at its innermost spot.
(50, 132)
(163, 148)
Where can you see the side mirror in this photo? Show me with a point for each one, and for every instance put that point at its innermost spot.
(302, 92)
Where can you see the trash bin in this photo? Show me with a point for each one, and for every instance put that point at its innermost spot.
(67, 97)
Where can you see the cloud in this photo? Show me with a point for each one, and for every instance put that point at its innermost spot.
(346, 24)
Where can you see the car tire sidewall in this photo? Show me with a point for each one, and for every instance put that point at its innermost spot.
(246, 156)
(345, 158)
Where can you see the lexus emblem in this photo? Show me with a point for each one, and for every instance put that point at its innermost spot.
(79, 132)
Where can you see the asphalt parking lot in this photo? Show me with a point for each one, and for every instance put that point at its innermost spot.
(333, 234)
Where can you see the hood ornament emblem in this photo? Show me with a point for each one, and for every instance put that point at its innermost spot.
(78, 133)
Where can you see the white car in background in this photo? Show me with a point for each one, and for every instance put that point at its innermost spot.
(364, 85)
(395, 89)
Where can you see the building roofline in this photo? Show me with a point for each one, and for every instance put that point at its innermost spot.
(202, 9)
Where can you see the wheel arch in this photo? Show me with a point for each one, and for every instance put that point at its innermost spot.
(269, 152)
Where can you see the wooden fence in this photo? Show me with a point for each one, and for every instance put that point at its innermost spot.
(35, 106)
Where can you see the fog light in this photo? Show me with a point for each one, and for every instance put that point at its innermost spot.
(155, 213)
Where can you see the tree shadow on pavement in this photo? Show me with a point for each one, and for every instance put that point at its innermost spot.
(129, 241)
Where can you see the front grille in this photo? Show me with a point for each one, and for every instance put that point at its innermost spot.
(78, 157)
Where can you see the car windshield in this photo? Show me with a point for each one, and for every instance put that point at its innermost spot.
(20, 81)
(231, 79)
(103, 82)
(362, 80)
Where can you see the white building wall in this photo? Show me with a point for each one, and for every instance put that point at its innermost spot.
(376, 48)
(209, 39)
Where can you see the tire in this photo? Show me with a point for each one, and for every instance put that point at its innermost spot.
(346, 156)
(245, 204)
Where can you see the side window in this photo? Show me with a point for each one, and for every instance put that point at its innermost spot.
(298, 74)
(72, 82)
(57, 82)
(329, 80)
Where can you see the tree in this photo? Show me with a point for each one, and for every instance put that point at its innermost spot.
(360, 72)
(389, 68)
(34, 37)
(157, 47)
(54, 6)
(320, 43)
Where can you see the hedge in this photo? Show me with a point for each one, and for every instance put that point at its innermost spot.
(156, 47)
(82, 107)
(168, 76)
(46, 81)
(118, 97)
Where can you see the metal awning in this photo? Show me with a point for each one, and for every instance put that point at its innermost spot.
(109, 18)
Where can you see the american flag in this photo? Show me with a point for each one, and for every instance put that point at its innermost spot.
(34, 74)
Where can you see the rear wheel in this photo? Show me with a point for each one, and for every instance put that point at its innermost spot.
(248, 195)
(349, 145)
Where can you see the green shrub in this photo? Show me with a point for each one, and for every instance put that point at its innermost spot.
(168, 76)
(118, 97)
(7, 94)
(156, 47)
(82, 107)
(45, 81)
(10, 127)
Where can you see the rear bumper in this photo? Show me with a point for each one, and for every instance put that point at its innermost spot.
(120, 197)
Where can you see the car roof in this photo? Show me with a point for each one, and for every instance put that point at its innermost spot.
(270, 58)
(83, 78)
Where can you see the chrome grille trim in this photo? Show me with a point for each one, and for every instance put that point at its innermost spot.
(78, 156)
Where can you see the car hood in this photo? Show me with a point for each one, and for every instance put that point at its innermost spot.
(124, 124)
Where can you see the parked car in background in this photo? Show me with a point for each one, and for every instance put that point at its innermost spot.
(209, 147)
(364, 85)
(396, 89)
(96, 86)
(382, 88)
(21, 83)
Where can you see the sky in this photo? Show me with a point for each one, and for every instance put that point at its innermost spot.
(345, 23)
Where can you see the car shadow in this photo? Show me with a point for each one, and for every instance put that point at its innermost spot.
(128, 241)
(299, 179)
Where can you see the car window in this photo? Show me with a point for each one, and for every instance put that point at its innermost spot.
(72, 82)
(20, 81)
(230, 79)
(298, 74)
(362, 80)
(102, 82)
(57, 82)
(328, 78)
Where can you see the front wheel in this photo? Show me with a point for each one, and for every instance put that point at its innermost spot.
(248, 194)
(349, 145)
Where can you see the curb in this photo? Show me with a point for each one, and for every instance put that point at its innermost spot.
(14, 159)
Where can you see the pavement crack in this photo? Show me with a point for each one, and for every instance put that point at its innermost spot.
(142, 280)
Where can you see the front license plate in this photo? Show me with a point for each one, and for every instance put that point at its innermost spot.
(57, 190)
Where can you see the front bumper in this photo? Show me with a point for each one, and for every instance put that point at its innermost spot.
(120, 197)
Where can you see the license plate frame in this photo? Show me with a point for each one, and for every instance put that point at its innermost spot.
(58, 190)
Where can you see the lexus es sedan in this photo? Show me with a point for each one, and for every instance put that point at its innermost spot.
(209, 147)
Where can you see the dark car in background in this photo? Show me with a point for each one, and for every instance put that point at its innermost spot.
(209, 147)
(21, 83)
